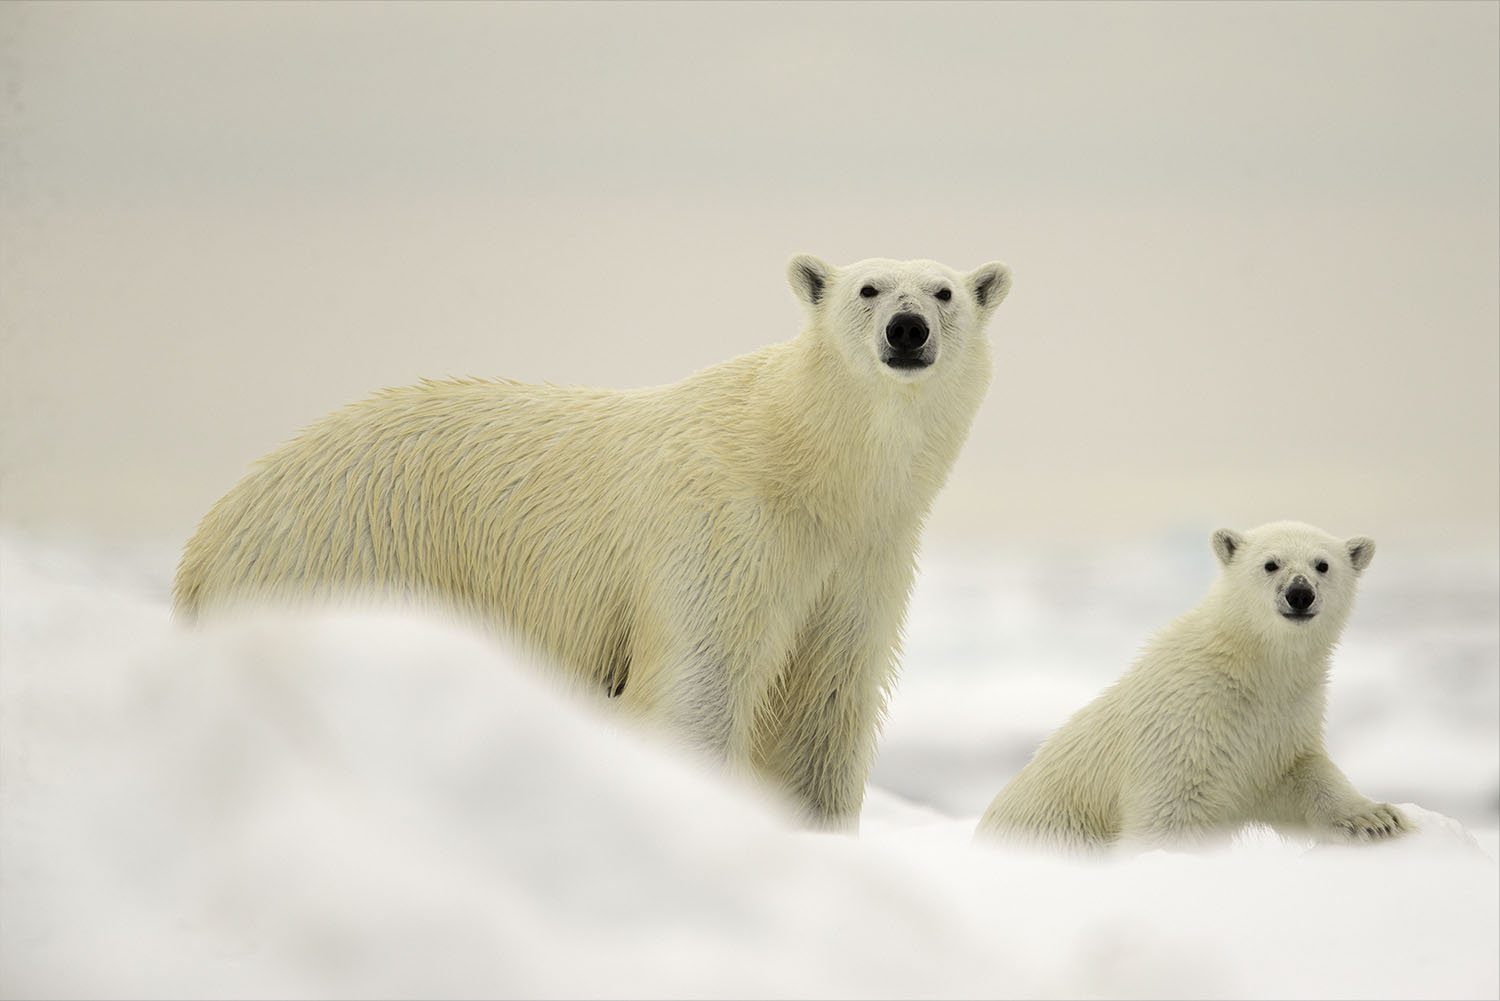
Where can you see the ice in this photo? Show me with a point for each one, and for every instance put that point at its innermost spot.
(382, 805)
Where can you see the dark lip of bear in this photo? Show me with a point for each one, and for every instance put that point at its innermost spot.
(907, 361)
(1299, 616)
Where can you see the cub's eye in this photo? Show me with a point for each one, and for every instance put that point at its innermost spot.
(944, 294)
(1272, 566)
(1322, 566)
(869, 292)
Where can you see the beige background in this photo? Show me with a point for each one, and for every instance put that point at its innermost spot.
(1255, 246)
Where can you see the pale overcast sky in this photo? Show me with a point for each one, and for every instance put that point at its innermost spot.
(1255, 246)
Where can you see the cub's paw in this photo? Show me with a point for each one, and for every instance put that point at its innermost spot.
(1373, 822)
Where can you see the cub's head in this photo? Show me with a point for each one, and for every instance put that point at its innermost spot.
(1291, 575)
(901, 320)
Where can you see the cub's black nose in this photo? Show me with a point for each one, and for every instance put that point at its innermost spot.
(906, 332)
(1300, 597)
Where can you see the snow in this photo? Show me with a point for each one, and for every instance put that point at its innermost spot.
(361, 805)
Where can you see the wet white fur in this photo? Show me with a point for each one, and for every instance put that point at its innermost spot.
(1219, 723)
(730, 554)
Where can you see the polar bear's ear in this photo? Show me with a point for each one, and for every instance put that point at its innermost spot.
(1361, 551)
(809, 277)
(989, 284)
(1226, 544)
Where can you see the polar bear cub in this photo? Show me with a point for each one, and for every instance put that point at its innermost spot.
(1220, 721)
(728, 556)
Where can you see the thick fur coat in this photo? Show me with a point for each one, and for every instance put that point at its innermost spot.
(729, 556)
(1220, 721)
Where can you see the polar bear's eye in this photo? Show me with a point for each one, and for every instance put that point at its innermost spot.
(1322, 566)
(1272, 566)
(944, 294)
(869, 292)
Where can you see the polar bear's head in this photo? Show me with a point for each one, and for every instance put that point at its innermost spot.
(1290, 576)
(901, 320)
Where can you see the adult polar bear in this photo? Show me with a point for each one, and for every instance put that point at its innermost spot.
(1220, 721)
(730, 555)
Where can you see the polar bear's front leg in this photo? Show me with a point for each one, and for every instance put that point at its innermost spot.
(815, 735)
(818, 738)
(1315, 794)
(706, 707)
(693, 690)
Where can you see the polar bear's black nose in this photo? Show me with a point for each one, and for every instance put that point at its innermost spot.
(906, 332)
(1299, 595)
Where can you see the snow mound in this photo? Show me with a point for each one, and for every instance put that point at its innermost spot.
(381, 805)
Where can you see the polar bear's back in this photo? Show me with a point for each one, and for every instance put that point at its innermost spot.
(394, 497)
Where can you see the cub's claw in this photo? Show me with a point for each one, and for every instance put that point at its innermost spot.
(1375, 823)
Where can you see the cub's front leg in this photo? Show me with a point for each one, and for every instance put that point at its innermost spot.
(1315, 794)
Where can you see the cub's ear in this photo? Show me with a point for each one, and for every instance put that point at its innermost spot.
(809, 277)
(989, 285)
(1361, 551)
(1226, 543)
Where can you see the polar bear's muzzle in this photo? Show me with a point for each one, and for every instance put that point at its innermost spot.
(907, 342)
(1299, 601)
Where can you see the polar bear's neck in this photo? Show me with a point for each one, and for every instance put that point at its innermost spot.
(845, 443)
